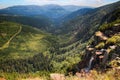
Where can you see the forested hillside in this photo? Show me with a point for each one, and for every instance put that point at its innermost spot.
(27, 42)
(33, 50)
(40, 22)
(102, 54)
(86, 44)
(84, 26)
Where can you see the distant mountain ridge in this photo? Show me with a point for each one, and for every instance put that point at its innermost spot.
(51, 10)
(74, 8)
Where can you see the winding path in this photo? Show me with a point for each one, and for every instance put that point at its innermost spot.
(8, 42)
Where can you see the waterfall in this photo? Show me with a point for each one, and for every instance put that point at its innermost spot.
(89, 65)
(104, 61)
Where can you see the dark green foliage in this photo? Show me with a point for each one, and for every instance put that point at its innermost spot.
(83, 27)
(22, 53)
(38, 62)
(75, 14)
(40, 22)
(114, 15)
(7, 31)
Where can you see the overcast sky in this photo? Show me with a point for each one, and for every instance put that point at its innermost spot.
(93, 3)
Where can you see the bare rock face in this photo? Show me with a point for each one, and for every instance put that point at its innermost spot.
(101, 35)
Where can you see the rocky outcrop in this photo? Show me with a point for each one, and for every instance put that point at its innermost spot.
(103, 50)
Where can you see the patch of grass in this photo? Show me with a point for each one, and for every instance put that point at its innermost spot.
(109, 25)
(114, 40)
(100, 45)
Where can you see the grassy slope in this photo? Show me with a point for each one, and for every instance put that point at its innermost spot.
(26, 42)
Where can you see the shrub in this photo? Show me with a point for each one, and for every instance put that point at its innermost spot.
(109, 25)
(100, 45)
(114, 39)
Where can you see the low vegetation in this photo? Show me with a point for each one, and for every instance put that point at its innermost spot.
(109, 25)
(35, 54)
(114, 40)
(100, 45)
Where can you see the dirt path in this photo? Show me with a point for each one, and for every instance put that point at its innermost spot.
(8, 42)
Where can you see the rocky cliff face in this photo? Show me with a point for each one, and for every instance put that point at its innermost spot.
(104, 50)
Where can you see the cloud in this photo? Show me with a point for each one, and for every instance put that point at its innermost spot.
(68, 2)
(2, 6)
(99, 0)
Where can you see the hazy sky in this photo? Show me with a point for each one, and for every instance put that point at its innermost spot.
(93, 3)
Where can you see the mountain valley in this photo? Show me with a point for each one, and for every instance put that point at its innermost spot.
(78, 42)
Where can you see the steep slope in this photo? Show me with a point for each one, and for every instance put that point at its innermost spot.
(112, 16)
(83, 27)
(73, 8)
(105, 40)
(102, 54)
(104, 47)
(76, 14)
